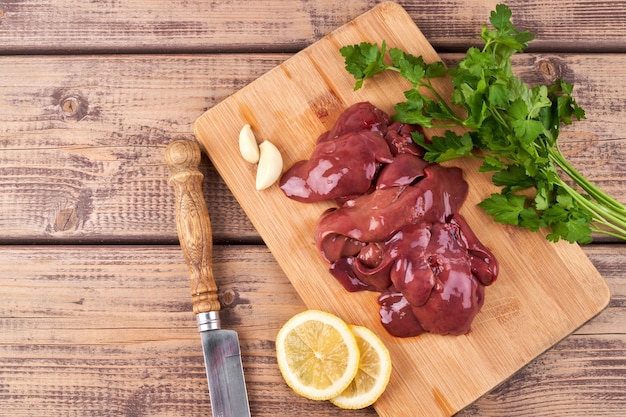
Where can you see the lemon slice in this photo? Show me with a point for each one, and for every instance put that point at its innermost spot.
(373, 375)
(317, 354)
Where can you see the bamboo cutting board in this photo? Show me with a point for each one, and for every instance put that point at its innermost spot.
(544, 291)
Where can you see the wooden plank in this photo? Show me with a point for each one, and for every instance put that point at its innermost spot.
(551, 289)
(53, 26)
(108, 331)
(98, 174)
(586, 369)
(83, 138)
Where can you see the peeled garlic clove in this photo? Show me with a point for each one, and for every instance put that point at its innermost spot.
(270, 165)
(248, 147)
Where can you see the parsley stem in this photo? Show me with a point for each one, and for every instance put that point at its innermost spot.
(590, 188)
(612, 220)
(497, 113)
(427, 83)
(604, 231)
(443, 102)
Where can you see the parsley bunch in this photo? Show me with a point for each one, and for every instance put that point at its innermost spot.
(511, 126)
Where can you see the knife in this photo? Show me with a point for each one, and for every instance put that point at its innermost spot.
(222, 356)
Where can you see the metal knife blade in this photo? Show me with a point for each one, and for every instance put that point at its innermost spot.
(222, 356)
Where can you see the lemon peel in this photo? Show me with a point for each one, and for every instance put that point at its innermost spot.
(317, 354)
(373, 374)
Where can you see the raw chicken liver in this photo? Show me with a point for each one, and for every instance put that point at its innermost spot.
(396, 229)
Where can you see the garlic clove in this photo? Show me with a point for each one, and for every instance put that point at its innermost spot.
(270, 165)
(248, 146)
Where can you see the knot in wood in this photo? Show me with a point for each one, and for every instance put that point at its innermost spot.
(228, 298)
(70, 215)
(72, 105)
(551, 69)
(66, 220)
(69, 106)
(73, 108)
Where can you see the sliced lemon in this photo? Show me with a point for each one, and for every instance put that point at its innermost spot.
(317, 354)
(373, 375)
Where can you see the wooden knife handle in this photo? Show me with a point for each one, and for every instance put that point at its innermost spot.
(193, 223)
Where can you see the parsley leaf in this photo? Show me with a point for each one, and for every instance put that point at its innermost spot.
(441, 149)
(514, 126)
(364, 61)
(513, 178)
(505, 208)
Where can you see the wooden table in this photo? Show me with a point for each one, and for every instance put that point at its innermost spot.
(95, 315)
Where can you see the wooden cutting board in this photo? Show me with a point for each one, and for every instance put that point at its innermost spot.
(544, 292)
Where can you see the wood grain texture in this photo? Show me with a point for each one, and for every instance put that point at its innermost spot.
(108, 331)
(82, 151)
(113, 333)
(544, 291)
(588, 368)
(89, 98)
(48, 26)
(97, 173)
(193, 223)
